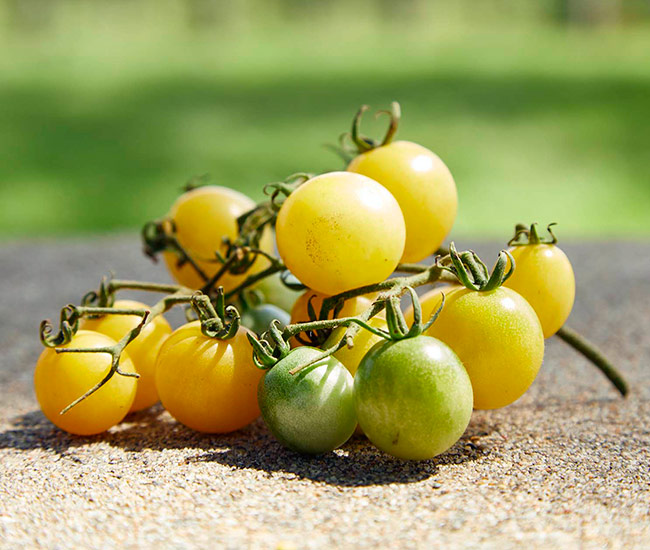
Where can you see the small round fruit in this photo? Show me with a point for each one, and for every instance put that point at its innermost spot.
(203, 217)
(497, 336)
(363, 341)
(312, 411)
(544, 277)
(413, 397)
(61, 378)
(207, 384)
(275, 292)
(259, 318)
(142, 351)
(423, 187)
(340, 231)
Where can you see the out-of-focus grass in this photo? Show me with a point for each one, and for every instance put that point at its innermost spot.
(536, 124)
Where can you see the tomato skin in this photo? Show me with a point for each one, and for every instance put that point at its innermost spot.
(311, 412)
(275, 292)
(258, 318)
(340, 231)
(203, 217)
(499, 339)
(59, 379)
(544, 277)
(207, 384)
(363, 342)
(143, 351)
(423, 187)
(413, 397)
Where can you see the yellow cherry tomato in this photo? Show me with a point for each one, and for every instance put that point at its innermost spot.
(142, 351)
(203, 217)
(61, 378)
(340, 231)
(544, 277)
(207, 384)
(497, 336)
(423, 187)
(300, 311)
(363, 341)
(429, 301)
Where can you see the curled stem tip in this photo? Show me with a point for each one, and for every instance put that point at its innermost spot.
(525, 235)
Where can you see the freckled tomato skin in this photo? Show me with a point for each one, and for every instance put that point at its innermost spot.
(312, 411)
(143, 351)
(259, 318)
(207, 384)
(429, 301)
(300, 311)
(340, 231)
(59, 379)
(202, 218)
(499, 339)
(423, 187)
(413, 397)
(544, 277)
(363, 342)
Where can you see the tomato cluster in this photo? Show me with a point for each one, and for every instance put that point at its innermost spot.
(338, 354)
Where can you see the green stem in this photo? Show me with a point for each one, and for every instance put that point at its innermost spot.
(591, 352)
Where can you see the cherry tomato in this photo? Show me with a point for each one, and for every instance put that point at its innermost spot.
(413, 397)
(275, 292)
(351, 307)
(340, 231)
(203, 217)
(258, 318)
(429, 302)
(142, 351)
(544, 277)
(423, 187)
(61, 378)
(363, 341)
(312, 411)
(207, 384)
(497, 336)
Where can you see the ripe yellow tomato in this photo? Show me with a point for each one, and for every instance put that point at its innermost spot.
(207, 384)
(60, 379)
(300, 311)
(423, 187)
(497, 336)
(142, 351)
(544, 277)
(363, 341)
(340, 231)
(429, 301)
(203, 217)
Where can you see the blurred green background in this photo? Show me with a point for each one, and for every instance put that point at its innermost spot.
(107, 107)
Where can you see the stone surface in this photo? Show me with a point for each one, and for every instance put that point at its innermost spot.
(566, 466)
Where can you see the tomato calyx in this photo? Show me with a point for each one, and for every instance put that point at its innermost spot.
(528, 235)
(398, 328)
(472, 272)
(280, 190)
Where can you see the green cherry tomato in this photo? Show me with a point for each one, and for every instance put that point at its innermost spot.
(544, 277)
(312, 411)
(498, 337)
(423, 187)
(258, 318)
(413, 397)
(275, 292)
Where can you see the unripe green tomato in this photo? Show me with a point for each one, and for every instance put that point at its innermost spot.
(544, 276)
(413, 397)
(258, 318)
(275, 292)
(312, 411)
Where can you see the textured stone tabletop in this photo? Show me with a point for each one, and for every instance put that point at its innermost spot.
(567, 466)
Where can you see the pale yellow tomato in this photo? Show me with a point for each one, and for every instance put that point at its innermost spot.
(340, 231)
(142, 351)
(207, 384)
(544, 276)
(61, 378)
(423, 187)
(203, 217)
(497, 336)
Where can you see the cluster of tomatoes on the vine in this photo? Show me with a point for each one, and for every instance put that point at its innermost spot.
(346, 355)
